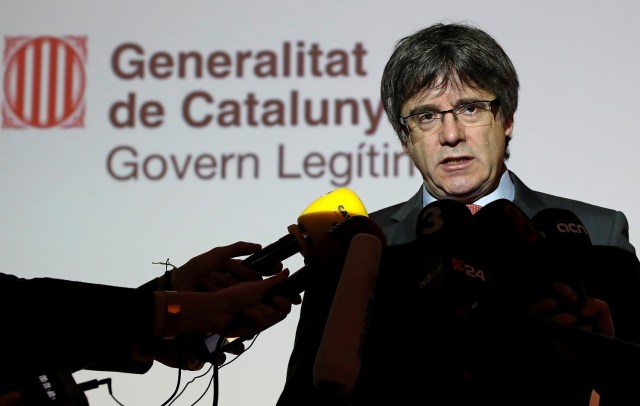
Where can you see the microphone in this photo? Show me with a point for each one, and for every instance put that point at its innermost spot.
(560, 226)
(338, 360)
(448, 272)
(314, 221)
(505, 243)
(436, 275)
(564, 247)
(332, 247)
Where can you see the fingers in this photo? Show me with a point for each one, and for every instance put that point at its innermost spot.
(196, 274)
(264, 315)
(562, 296)
(255, 319)
(180, 352)
(283, 305)
(243, 272)
(257, 315)
(194, 363)
(244, 294)
(237, 249)
(272, 270)
(544, 307)
(566, 292)
(597, 311)
(592, 315)
(235, 347)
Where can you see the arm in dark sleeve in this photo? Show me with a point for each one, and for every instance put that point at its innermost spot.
(71, 323)
(614, 277)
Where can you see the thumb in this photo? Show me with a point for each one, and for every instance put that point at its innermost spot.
(250, 292)
(272, 281)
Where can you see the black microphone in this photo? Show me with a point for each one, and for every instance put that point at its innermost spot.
(564, 248)
(449, 273)
(323, 213)
(505, 244)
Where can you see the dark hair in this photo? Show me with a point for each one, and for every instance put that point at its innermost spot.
(447, 54)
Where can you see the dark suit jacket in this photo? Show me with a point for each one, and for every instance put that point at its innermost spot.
(605, 226)
(416, 356)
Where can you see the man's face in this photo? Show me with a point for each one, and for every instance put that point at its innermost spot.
(457, 162)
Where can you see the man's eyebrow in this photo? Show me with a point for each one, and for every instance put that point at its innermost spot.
(425, 108)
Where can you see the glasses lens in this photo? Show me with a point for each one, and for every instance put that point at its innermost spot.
(425, 123)
(474, 114)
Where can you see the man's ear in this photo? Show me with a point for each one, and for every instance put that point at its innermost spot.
(508, 126)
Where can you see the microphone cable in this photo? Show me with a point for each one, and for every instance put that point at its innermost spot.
(214, 366)
(214, 378)
(94, 383)
(175, 391)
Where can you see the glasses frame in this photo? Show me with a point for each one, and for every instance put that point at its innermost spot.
(493, 108)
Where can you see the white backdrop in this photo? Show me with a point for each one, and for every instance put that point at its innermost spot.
(63, 214)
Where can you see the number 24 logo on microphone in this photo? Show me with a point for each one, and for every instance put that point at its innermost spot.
(469, 270)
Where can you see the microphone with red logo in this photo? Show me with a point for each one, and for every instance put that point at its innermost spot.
(449, 273)
(506, 246)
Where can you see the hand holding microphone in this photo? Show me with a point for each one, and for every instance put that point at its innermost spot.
(535, 269)
(211, 271)
(326, 256)
(564, 251)
(322, 231)
(329, 250)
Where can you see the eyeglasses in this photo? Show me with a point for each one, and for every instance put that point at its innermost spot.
(475, 114)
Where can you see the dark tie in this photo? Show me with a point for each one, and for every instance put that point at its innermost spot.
(473, 208)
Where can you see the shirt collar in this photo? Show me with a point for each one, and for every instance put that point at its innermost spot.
(505, 190)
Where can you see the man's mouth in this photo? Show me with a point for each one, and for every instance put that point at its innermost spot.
(455, 160)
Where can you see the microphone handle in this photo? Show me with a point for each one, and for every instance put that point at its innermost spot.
(295, 284)
(277, 251)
